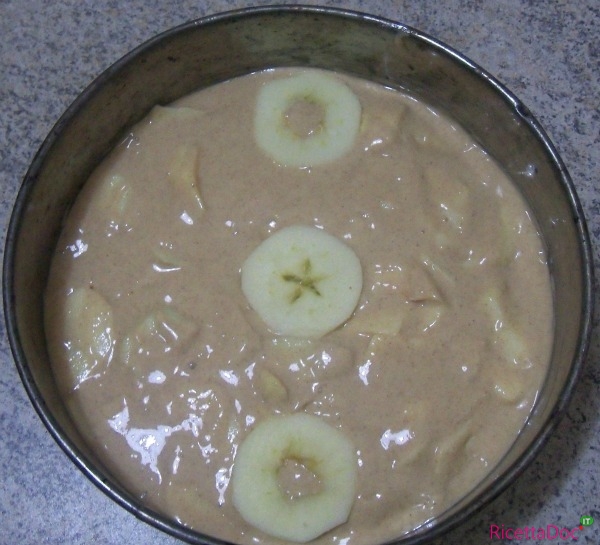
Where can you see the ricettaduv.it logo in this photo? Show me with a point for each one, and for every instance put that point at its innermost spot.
(550, 532)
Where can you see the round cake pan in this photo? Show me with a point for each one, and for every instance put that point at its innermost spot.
(217, 48)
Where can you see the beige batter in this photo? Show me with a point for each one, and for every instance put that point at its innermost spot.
(431, 378)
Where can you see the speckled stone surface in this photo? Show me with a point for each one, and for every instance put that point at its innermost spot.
(545, 51)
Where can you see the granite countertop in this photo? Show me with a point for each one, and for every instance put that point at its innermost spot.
(547, 52)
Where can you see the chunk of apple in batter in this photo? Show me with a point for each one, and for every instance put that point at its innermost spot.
(374, 320)
(185, 176)
(516, 232)
(508, 387)
(293, 373)
(379, 127)
(159, 332)
(271, 388)
(114, 195)
(384, 309)
(450, 450)
(448, 198)
(425, 316)
(165, 258)
(440, 276)
(397, 297)
(85, 334)
(407, 436)
(506, 337)
(183, 166)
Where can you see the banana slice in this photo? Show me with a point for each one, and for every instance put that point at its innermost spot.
(306, 120)
(320, 448)
(302, 281)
